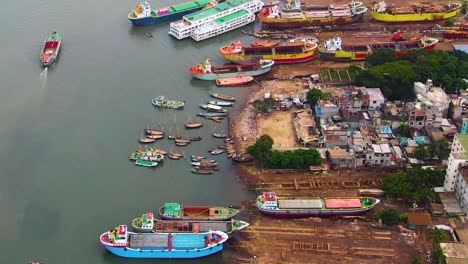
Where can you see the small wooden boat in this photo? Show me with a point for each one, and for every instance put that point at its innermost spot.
(223, 97)
(50, 49)
(158, 157)
(152, 131)
(199, 157)
(228, 139)
(210, 115)
(197, 138)
(146, 140)
(174, 157)
(217, 119)
(202, 164)
(234, 81)
(202, 170)
(182, 140)
(174, 136)
(146, 163)
(242, 158)
(270, 3)
(149, 35)
(147, 223)
(177, 154)
(221, 103)
(194, 124)
(213, 108)
(217, 151)
(160, 101)
(219, 135)
(160, 151)
(151, 136)
(181, 144)
(175, 211)
(222, 147)
(259, 43)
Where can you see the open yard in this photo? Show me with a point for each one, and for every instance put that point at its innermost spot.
(279, 127)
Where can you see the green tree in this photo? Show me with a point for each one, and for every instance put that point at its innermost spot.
(261, 149)
(390, 216)
(313, 95)
(421, 152)
(396, 185)
(381, 56)
(404, 130)
(442, 148)
(437, 236)
(417, 260)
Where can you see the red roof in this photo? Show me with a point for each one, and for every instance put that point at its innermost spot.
(122, 230)
(343, 203)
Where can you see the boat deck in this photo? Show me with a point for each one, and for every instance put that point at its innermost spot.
(176, 226)
(188, 241)
(300, 204)
(148, 241)
(199, 15)
(230, 17)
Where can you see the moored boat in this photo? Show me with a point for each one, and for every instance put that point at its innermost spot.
(219, 135)
(234, 81)
(223, 97)
(160, 101)
(162, 245)
(151, 136)
(174, 157)
(217, 151)
(213, 108)
(175, 211)
(146, 140)
(221, 103)
(242, 158)
(290, 53)
(152, 131)
(146, 223)
(143, 15)
(196, 138)
(51, 49)
(265, 43)
(460, 32)
(203, 163)
(431, 12)
(206, 170)
(271, 205)
(205, 71)
(194, 124)
(159, 154)
(310, 16)
(146, 163)
(334, 49)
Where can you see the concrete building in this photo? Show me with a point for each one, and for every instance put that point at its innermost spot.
(461, 187)
(380, 154)
(376, 98)
(340, 158)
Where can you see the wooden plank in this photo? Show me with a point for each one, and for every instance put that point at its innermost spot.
(295, 184)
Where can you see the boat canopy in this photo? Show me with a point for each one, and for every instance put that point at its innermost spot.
(300, 204)
(343, 203)
(172, 208)
(147, 219)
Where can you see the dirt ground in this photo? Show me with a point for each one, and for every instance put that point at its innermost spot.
(279, 127)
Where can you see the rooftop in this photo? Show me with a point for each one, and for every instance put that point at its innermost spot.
(435, 96)
(340, 154)
(375, 94)
(419, 219)
(214, 10)
(455, 252)
(463, 138)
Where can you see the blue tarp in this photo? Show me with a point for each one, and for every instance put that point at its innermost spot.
(421, 140)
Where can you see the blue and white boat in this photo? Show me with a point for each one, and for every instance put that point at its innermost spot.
(162, 245)
(143, 15)
(221, 103)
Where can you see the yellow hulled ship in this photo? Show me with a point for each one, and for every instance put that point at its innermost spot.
(381, 12)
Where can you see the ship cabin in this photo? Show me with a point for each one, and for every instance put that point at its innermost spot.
(142, 10)
(270, 199)
(118, 235)
(172, 210)
(147, 221)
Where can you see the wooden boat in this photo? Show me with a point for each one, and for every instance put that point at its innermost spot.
(146, 163)
(194, 124)
(223, 97)
(291, 52)
(209, 114)
(182, 140)
(122, 243)
(219, 135)
(429, 12)
(146, 140)
(202, 164)
(202, 170)
(265, 43)
(234, 81)
(197, 157)
(174, 136)
(160, 101)
(270, 3)
(217, 151)
(152, 131)
(139, 154)
(175, 211)
(333, 48)
(51, 49)
(173, 156)
(155, 136)
(298, 16)
(460, 32)
(160, 151)
(242, 158)
(221, 103)
(213, 108)
(181, 144)
(226, 140)
(205, 71)
(197, 138)
(303, 207)
(222, 147)
(146, 223)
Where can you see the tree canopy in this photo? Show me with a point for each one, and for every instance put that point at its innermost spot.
(261, 149)
(415, 184)
(395, 76)
(313, 95)
(297, 159)
(390, 216)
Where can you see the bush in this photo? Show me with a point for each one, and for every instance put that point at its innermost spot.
(298, 159)
(404, 217)
(390, 216)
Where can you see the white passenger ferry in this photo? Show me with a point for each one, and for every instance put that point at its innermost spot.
(216, 20)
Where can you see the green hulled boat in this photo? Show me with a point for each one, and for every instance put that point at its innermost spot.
(146, 163)
(160, 101)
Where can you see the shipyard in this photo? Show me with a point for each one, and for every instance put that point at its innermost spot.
(239, 131)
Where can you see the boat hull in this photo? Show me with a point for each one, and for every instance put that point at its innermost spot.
(385, 17)
(177, 254)
(156, 20)
(289, 58)
(214, 76)
(294, 214)
(306, 22)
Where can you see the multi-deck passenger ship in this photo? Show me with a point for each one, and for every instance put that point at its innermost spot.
(216, 20)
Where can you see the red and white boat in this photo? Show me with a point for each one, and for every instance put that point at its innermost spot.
(234, 81)
(50, 49)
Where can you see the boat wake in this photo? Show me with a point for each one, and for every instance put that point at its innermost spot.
(43, 77)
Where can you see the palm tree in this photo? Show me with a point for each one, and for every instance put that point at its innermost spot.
(421, 152)
(437, 236)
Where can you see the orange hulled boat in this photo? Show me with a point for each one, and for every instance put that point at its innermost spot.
(234, 81)
(290, 53)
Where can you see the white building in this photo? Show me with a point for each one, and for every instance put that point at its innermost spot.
(380, 154)
(376, 98)
(456, 178)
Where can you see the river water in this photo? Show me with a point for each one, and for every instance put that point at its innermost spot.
(66, 133)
